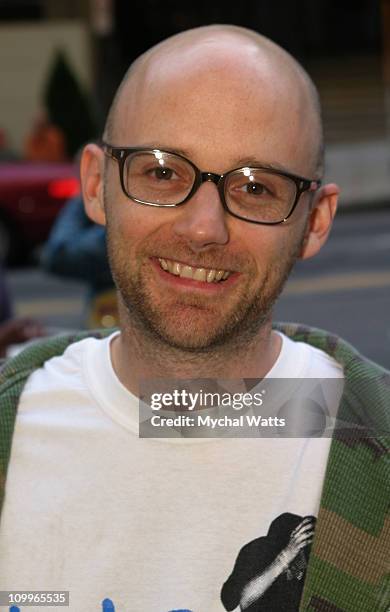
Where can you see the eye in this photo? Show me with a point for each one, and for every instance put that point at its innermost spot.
(162, 173)
(255, 189)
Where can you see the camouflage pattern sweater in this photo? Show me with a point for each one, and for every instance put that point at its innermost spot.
(350, 559)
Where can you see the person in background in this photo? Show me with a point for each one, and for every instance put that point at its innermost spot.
(45, 142)
(76, 249)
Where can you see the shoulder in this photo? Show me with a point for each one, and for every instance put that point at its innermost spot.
(299, 359)
(332, 346)
(366, 395)
(14, 372)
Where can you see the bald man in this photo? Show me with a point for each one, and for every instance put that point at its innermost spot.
(222, 99)
(209, 184)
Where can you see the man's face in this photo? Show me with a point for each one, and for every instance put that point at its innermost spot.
(220, 121)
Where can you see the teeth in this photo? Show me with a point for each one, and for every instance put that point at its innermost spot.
(210, 276)
(186, 272)
(176, 268)
(199, 274)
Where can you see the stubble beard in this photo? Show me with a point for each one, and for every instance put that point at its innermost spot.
(189, 323)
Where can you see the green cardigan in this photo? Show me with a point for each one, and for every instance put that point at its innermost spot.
(349, 564)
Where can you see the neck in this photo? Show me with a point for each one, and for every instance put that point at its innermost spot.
(136, 356)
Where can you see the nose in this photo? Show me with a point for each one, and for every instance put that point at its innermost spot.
(201, 221)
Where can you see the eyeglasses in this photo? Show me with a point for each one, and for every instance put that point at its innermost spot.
(154, 177)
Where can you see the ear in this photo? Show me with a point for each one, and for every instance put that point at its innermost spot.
(92, 181)
(320, 220)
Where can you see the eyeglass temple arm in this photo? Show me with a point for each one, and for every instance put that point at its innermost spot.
(314, 185)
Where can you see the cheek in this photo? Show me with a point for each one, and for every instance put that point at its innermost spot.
(124, 232)
(135, 230)
(263, 243)
(273, 248)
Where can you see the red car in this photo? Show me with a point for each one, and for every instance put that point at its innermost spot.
(31, 195)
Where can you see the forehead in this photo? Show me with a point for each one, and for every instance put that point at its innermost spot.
(219, 103)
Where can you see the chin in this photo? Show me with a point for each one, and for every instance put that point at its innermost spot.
(194, 332)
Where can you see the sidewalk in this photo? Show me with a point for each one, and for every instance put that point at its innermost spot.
(362, 170)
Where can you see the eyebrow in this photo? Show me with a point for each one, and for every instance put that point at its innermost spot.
(240, 163)
(252, 161)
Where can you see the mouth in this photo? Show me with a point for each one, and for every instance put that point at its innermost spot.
(205, 275)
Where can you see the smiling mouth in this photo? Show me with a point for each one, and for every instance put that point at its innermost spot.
(206, 275)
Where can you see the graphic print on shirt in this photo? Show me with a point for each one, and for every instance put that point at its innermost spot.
(269, 571)
(107, 604)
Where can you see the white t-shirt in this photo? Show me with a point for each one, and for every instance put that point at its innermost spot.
(146, 525)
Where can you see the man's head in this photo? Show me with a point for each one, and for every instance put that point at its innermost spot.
(224, 97)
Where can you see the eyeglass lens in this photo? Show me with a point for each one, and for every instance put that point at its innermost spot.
(166, 179)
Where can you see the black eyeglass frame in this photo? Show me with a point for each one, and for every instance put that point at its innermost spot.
(120, 154)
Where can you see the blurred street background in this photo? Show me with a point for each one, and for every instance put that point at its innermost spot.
(60, 63)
